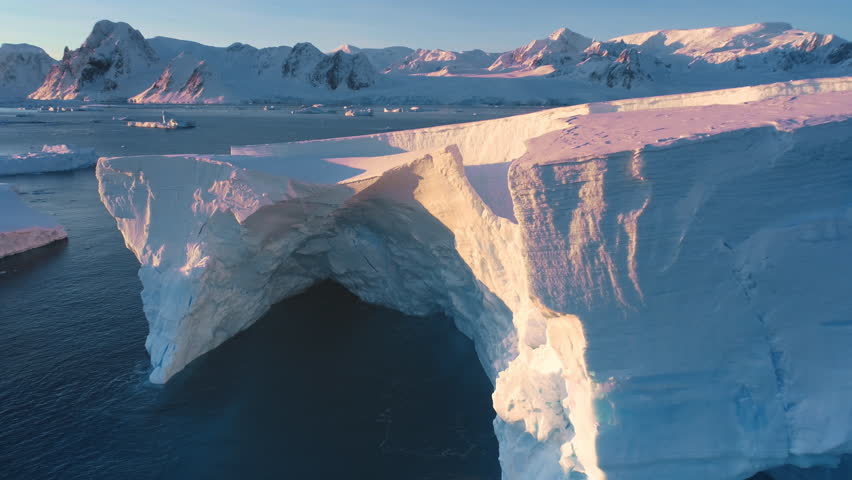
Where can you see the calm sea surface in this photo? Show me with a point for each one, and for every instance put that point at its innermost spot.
(324, 386)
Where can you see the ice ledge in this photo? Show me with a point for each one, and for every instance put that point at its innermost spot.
(638, 284)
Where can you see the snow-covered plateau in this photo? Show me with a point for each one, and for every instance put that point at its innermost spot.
(21, 227)
(51, 158)
(657, 287)
(117, 63)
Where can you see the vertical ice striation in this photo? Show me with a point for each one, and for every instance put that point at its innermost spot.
(655, 286)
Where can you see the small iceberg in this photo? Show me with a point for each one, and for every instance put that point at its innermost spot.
(51, 158)
(313, 109)
(21, 227)
(359, 112)
(168, 123)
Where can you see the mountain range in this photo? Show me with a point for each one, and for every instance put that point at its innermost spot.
(117, 63)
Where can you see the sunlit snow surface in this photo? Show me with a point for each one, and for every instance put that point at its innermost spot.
(656, 287)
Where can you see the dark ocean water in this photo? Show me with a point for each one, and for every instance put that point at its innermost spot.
(324, 386)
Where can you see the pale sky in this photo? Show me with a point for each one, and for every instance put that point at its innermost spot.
(492, 25)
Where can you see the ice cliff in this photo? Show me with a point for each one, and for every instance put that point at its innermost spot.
(656, 286)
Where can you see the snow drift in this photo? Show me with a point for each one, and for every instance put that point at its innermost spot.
(21, 227)
(655, 286)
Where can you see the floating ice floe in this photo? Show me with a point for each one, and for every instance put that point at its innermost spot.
(359, 112)
(21, 227)
(313, 109)
(51, 158)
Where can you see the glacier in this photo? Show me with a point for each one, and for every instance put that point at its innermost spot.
(23, 228)
(655, 286)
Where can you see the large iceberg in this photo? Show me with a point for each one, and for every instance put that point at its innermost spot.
(21, 227)
(656, 287)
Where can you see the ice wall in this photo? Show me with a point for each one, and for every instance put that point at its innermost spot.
(656, 292)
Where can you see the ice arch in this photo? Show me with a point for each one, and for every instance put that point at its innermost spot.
(638, 277)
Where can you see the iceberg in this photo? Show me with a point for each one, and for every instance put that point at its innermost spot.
(21, 227)
(313, 109)
(167, 123)
(51, 158)
(359, 112)
(656, 286)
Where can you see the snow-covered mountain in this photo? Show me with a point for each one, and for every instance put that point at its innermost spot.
(339, 69)
(203, 74)
(381, 58)
(616, 64)
(199, 73)
(114, 62)
(22, 69)
(762, 46)
(562, 48)
(117, 63)
(442, 62)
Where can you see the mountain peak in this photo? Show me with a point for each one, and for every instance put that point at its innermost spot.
(106, 28)
(346, 48)
(20, 48)
(566, 35)
(774, 26)
(557, 34)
